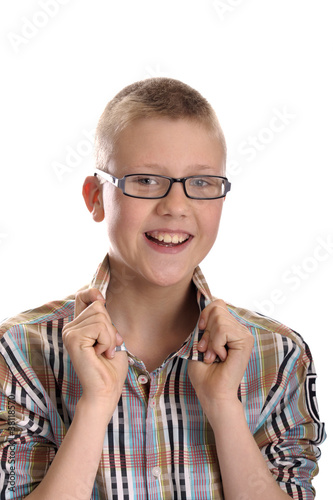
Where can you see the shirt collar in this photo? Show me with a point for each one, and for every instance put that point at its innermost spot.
(189, 350)
(102, 277)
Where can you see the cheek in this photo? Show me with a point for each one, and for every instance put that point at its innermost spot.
(123, 215)
(210, 217)
(112, 212)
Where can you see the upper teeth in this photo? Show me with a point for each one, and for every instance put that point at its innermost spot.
(168, 238)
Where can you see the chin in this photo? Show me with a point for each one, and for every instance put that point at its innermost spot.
(167, 278)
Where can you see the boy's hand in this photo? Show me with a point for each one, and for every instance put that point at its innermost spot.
(90, 340)
(233, 343)
(210, 343)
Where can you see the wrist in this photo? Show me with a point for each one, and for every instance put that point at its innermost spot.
(96, 411)
(224, 410)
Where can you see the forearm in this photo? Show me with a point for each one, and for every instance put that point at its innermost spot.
(243, 468)
(73, 470)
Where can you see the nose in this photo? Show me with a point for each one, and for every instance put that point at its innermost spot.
(175, 203)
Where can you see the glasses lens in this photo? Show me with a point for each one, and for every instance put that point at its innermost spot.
(146, 186)
(205, 186)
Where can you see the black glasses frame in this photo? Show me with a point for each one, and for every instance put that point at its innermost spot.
(120, 183)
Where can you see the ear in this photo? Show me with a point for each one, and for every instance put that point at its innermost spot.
(92, 194)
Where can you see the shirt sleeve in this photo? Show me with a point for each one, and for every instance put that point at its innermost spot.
(30, 428)
(25, 453)
(292, 430)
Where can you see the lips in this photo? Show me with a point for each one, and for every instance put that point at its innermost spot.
(169, 239)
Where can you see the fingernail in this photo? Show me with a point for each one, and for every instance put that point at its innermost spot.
(113, 353)
(201, 323)
(119, 338)
(202, 344)
(208, 356)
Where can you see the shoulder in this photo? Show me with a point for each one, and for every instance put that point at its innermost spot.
(31, 349)
(56, 311)
(280, 355)
(280, 372)
(264, 327)
(51, 311)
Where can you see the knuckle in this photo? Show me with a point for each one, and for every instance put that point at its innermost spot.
(216, 346)
(100, 317)
(68, 337)
(102, 330)
(81, 297)
(65, 331)
(219, 303)
(222, 320)
(97, 307)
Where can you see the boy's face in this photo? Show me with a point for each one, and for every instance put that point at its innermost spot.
(135, 226)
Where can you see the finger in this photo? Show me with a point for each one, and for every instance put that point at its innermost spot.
(86, 297)
(210, 354)
(219, 303)
(96, 316)
(203, 344)
(214, 307)
(119, 339)
(97, 336)
(95, 312)
(99, 323)
(216, 335)
(110, 352)
(203, 319)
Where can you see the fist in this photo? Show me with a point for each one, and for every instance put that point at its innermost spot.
(232, 342)
(90, 340)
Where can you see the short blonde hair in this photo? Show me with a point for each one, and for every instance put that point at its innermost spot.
(151, 98)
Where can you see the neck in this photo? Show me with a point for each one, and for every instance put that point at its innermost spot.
(154, 316)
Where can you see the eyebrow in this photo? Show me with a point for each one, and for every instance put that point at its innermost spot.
(155, 166)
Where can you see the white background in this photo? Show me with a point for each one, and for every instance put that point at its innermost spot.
(252, 59)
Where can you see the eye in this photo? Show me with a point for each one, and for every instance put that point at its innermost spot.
(142, 180)
(199, 182)
(145, 180)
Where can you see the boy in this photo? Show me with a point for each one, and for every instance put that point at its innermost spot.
(116, 387)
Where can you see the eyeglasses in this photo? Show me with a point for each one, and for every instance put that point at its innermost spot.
(197, 187)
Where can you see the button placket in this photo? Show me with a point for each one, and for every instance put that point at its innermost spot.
(153, 387)
(154, 471)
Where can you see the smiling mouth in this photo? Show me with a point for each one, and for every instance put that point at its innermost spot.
(167, 239)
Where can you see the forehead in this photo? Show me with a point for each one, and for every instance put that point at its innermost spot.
(166, 145)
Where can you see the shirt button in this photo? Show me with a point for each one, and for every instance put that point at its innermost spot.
(156, 471)
(142, 379)
(131, 361)
(152, 403)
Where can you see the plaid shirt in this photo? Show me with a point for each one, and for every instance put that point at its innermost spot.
(158, 444)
